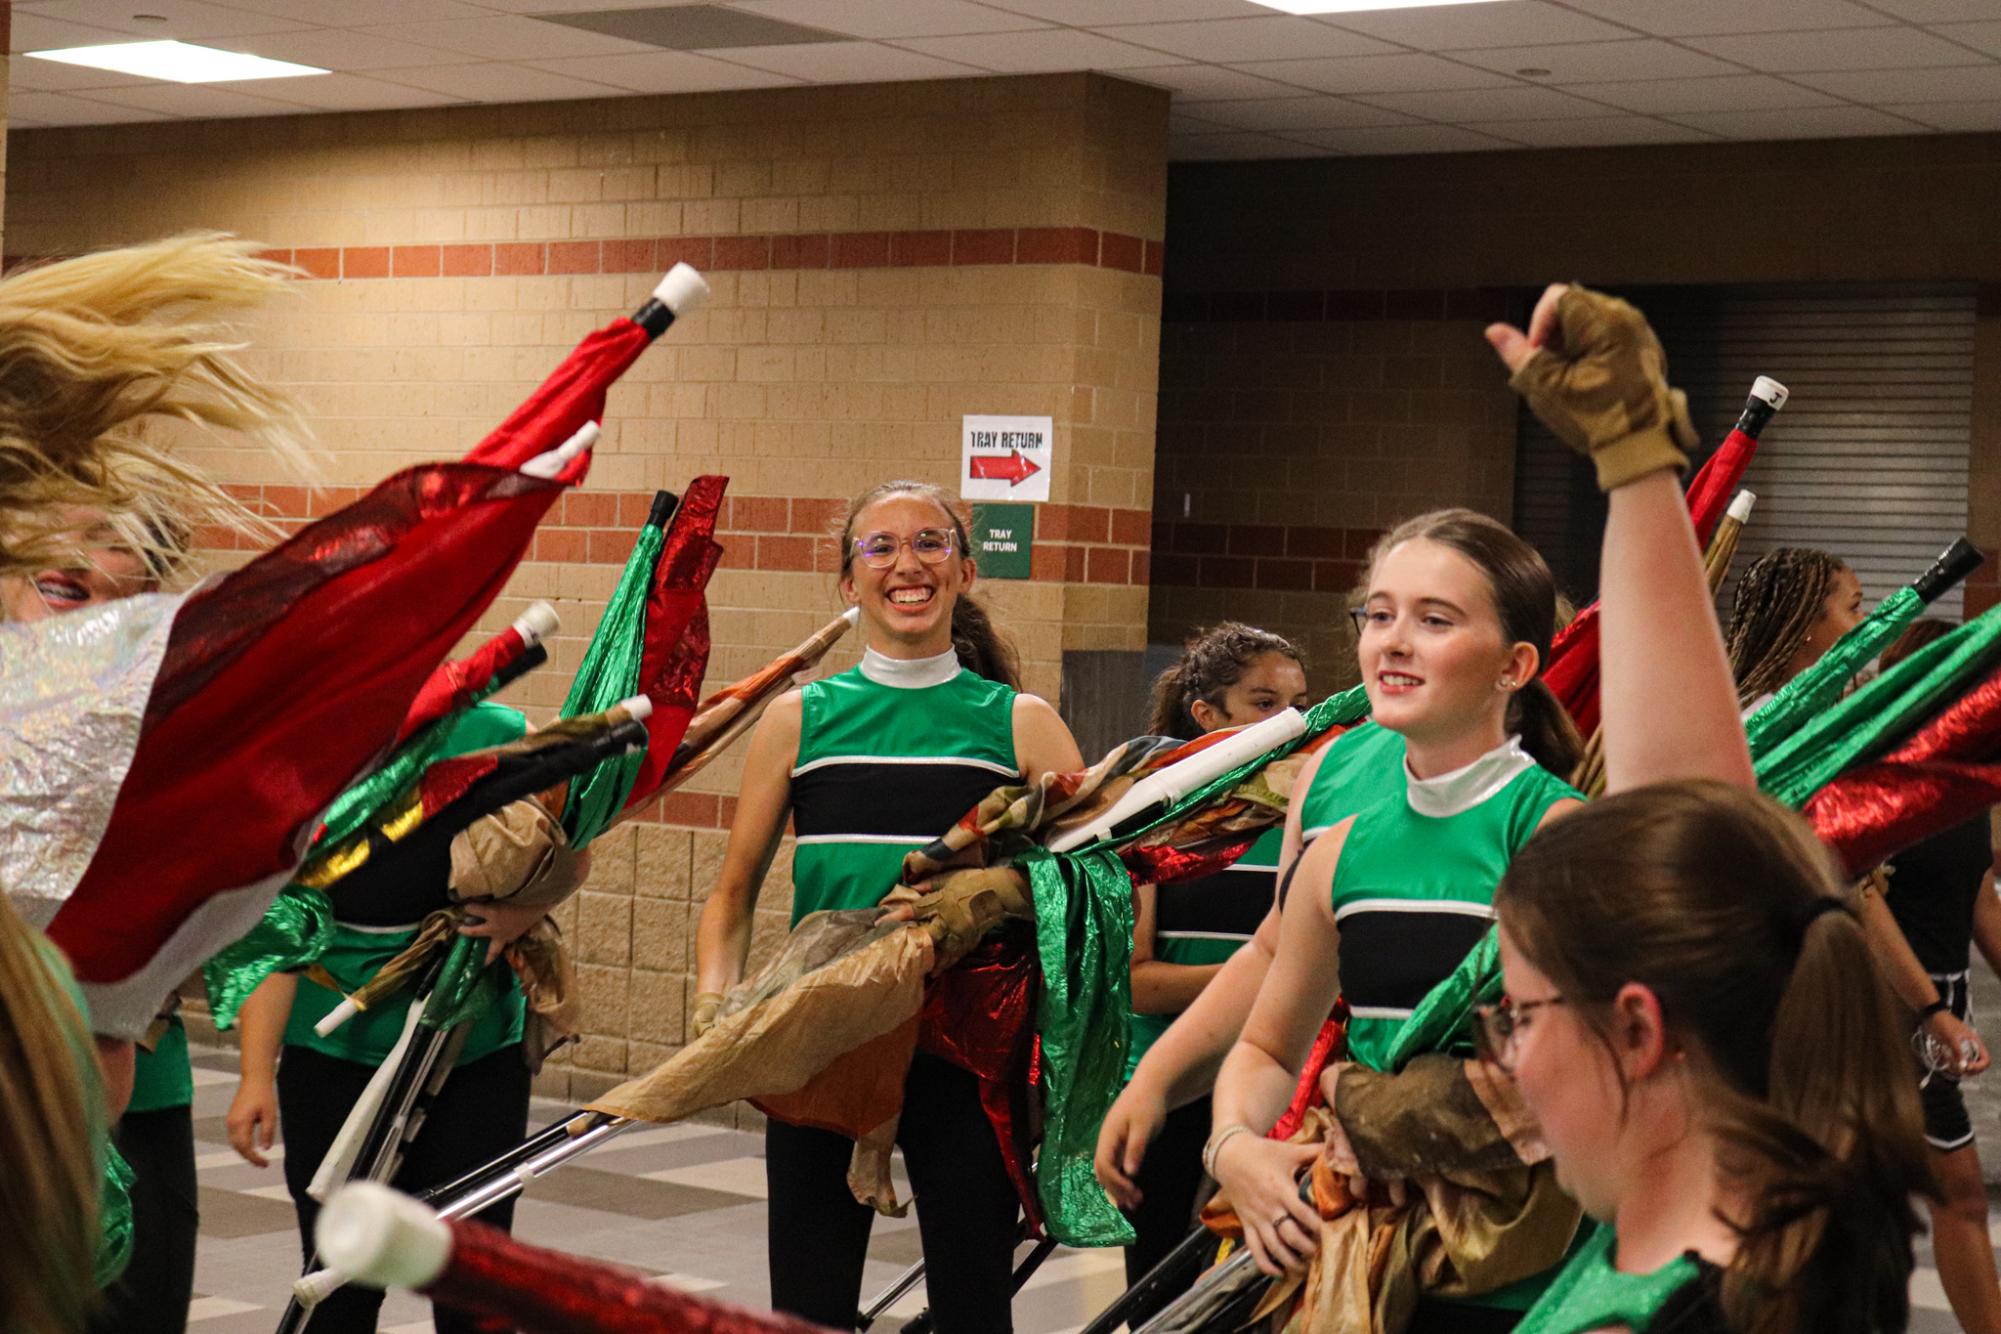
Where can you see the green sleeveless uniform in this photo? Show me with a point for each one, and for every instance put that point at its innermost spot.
(163, 1077)
(357, 951)
(886, 766)
(1361, 767)
(1414, 888)
(1590, 1294)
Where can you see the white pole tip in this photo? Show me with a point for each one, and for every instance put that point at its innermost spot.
(639, 708)
(1740, 508)
(1771, 391)
(382, 1238)
(853, 615)
(683, 290)
(537, 623)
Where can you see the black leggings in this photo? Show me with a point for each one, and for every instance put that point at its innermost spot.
(481, 1112)
(1170, 1179)
(152, 1295)
(967, 1210)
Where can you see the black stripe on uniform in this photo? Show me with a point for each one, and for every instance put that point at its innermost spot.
(909, 800)
(1392, 959)
(1226, 903)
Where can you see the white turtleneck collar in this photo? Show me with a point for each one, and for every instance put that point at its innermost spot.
(909, 673)
(1463, 789)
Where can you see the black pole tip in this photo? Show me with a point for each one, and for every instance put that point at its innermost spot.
(663, 508)
(1954, 564)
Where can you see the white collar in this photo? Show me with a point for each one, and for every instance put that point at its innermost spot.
(1463, 789)
(910, 673)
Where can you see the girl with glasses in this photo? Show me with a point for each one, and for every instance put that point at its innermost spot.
(1694, 1020)
(868, 765)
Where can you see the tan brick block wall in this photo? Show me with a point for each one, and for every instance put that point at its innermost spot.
(880, 267)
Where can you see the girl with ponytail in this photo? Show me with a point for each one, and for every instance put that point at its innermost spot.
(866, 766)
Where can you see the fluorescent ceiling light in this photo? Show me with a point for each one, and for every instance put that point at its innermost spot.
(177, 61)
(1357, 6)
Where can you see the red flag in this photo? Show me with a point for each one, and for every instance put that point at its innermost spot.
(457, 684)
(676, 652)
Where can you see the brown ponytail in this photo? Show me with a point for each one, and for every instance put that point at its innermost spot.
(1211, 662)
(1722, 904)
(981, 648)
(1525, 600)
(48, 1169)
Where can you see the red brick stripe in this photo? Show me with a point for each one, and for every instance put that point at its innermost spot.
(722, 254)
(1282, 557)
(1083, 544)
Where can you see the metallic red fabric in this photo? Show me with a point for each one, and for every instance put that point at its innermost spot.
(1948, 771)
(1157, 864)
(1328, 1046)
(980, 1016)
(492, 1276)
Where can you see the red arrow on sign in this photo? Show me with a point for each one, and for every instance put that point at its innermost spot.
(1013, 468)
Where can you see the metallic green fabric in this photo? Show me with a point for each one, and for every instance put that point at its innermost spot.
(465, 985)
(114, 1217)
(1444, 1017)
(1084, 933)
(294, 932)
(610, 673)
(1880, 714)
(1820, 686)
(361, 803)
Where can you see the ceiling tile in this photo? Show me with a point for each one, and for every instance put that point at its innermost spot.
(1980, 36)
(1458, 27)
(1299, 113)
(339, 49)
(846, 62)
(890, 18)
(1805, 123)
(497, 81)
(1587, 62)
(1046, 52)
(32, 32)
(1689, 18)
(664, 72)
(187, 20)
(344, 92)
(1378, 74)
(1227, 41)
(361, 13)
(1592, 131)
(1970, 83)
(1231, 147)
(194, 101)
(1834, 49)
(1100, 13)
(1206, 83)
(1517, 103)
(1402, 139)
(1957, 117)
(1181, 122)
(578, 6)
(1735, 92)
(507, 37)
(56, 109)
(1937, 11)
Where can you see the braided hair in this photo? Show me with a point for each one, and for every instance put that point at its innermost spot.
(1211, 662)
(1779, 600)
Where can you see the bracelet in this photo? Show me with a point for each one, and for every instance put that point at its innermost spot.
(1217, 1141)
(1936, 1007)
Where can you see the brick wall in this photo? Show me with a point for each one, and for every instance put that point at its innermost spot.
(884, 258)
(1323, 372)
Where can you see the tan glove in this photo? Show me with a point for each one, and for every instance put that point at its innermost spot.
(708, 1004)
(1601, 385)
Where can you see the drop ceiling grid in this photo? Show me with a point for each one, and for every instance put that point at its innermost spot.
(1621, 71)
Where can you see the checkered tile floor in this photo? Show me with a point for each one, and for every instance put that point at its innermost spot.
(683, 1202)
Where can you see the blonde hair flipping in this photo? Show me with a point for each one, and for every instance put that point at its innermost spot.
(92, 349)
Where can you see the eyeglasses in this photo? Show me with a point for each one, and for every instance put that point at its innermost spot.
(878, 551)
(1501, 1028)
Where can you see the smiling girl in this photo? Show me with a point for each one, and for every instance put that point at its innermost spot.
(867, 766)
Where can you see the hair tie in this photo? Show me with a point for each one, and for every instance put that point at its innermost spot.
(1817, 907)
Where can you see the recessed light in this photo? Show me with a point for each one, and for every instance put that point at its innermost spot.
(178, 62)
(1533, 73)
(1357, 6)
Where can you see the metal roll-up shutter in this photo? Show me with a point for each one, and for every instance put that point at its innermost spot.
(1868, 460)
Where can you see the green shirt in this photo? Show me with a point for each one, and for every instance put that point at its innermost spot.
(886, 764)
(1361, 767)
(162, 1077)
(356, 952)
(1589, 1293)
